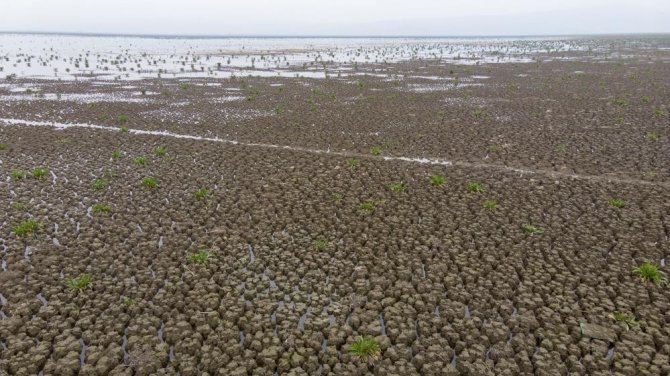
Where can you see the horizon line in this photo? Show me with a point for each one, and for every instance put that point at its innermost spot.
(334, 36)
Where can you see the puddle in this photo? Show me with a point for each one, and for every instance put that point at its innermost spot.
(42, 299)
(160, 332)
(301, 321)
(252, 257)
(82, 353)
(382, 324)
(454, 360)
(124, 346)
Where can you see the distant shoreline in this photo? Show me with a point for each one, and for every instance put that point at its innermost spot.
(177, 36)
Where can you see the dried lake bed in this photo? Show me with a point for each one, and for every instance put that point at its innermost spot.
(255, 206)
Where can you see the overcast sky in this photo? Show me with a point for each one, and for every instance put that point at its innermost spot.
(337, 17)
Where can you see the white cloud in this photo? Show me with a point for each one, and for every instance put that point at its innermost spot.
(336, 17)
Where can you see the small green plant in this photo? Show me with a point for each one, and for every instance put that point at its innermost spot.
(616, 203)
(26, 228)
(19, 174)
(122, 119)
(40, 173)
(478, 112)
(627, 320)
(368, 206)
(659, 112)
(476, 188)
(279, 109)
(108, 174)
(99, 184)
(202, 193)
(80, 283)
(4, 147)
(337, 197)
(437, 180)
(532, 230)
(200, 258)
(160, 152)
(140, 161)
(650, 273)
(124, 130)
(116, 154)
(620, 102)
(376, 150)
(653, 136)
(397, 187)
(365, 349)
(149, 182)
(101, 208)
(646, 99)
(490, 205)
(321, 245)
(19, 206)
(353, 163)
(129, 302)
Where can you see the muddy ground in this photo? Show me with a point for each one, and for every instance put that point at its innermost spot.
(445, 284)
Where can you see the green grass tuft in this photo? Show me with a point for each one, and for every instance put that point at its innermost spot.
(353, 163)
(397, 187)
(650, 273)
(616, 203)
(80, 283)
(490, 204)
(532, 230)
(26, 228)
(627, 320)
(365, 349)
(19, 174)
(437, 180)
(376, 150)
(321, 245)
(476, 188)
(201, 193)
(101, 208)
(99, 184)
(149, 182)
(160, 151)
(40, 173)
(200, 258)
(140, 161)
